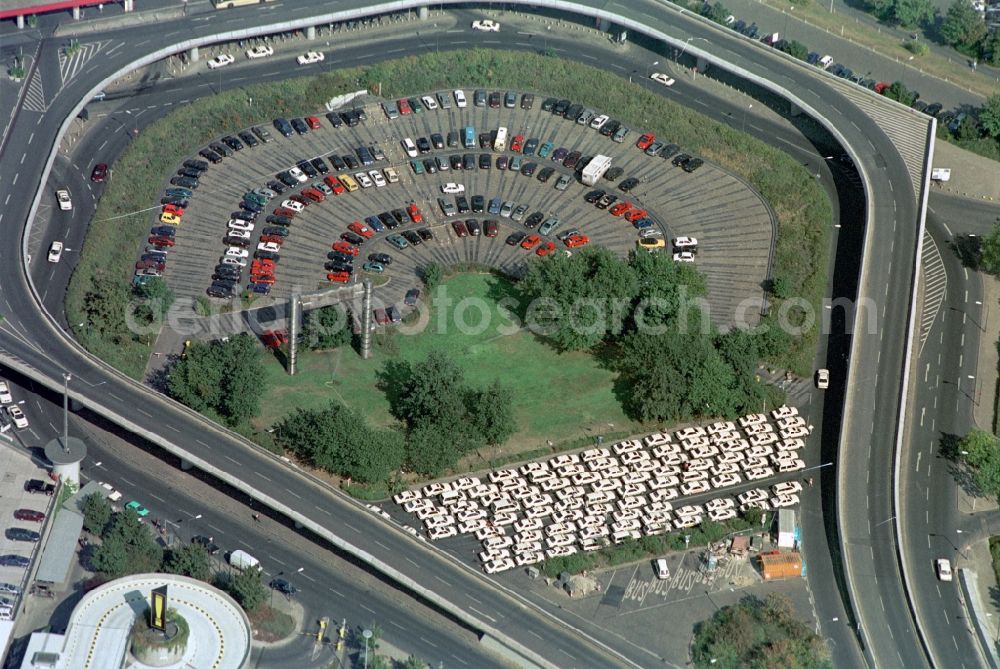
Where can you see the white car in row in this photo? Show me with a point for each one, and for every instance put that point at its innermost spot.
(260, 52)
(452, 188)
(65, 201)
(662, 78)
(310, 57)
(221, 60)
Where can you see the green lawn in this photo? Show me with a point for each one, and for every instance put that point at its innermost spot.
(542, 379)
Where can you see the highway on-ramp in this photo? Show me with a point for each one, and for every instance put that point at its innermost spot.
(30, 343)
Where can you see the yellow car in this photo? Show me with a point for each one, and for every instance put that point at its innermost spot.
(170, 219)
(651, 243)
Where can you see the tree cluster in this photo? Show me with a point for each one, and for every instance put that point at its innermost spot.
(128, 546)
(758, 633)
(645, 313)
(981, 451)
(445, 417)
(907, 13)
(988, 258)
(326, 328)
(223, 377)
(339, 439)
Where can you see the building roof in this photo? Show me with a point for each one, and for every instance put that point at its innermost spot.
(60, 547)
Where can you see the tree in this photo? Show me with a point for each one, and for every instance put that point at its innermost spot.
(157, 294)
(431, 393)
(968, 129)
(105, 306)
(221, 376)
(982, 452)
(492, 414)
(911, 13)
(326, 328)
(989, 114)
(432, 275)
(247, 589)
(189, 560)
(900, 93)
(963, 28)
(716, 12)
(991, 48)
(430, 451)
(989, 258)
(758, 633)
(127, 547)
(96, 513)
(339, 440)
(795, 49)
(414, 662)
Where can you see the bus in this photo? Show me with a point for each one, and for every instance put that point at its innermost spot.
(500, 143)
(469, 137)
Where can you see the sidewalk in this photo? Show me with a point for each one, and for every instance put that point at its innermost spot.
(972, 176)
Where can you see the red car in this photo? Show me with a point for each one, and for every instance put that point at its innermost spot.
(620, 208)
(312, 122)
(173, 209)
(151, 264)
(644, 141)
(344, 247)
(459, 228)
(334, 183)
(314, 194)
(404, 106)
(414, 213)
(29, 514)
(100, 172)
(530, 242)
(361, 229)
(490, 228)
(285, 211)
(301, 199)
(161, 241)
(574, 241)
(276, 239)
(517, 143)
(635, 214)
(264, 278)
(546, 248)
(338, 277)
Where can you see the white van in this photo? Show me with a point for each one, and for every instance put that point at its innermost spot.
(500, 143)
(661, 569)
(243, 561)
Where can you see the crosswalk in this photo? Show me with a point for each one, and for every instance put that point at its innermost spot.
(70, 66)
(34, 97)
(935, 281)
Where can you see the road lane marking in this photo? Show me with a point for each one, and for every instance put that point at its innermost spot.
(490, 618)
(425, 640)
(395, 624)
(382, 545)
(352, 527)
(173, 428)
(261, 475)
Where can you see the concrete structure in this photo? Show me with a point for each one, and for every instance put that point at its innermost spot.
(99, 628)
(786, 528)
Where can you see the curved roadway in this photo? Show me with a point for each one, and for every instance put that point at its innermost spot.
(31, 344)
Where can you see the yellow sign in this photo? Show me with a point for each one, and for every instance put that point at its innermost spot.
(158, 609)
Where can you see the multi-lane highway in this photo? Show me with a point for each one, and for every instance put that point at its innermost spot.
(31, 342)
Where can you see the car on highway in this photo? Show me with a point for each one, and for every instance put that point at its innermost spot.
(262, 51)
(486, 26)
(662, 78)
(5, 396)
(208, 543)
(822, 379)
(100, 173)
(221, 60)
(55, 251)
(943, 568)
(310, 57)
(139, 509)
(65, 201)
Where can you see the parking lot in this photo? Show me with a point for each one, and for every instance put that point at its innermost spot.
(15, 500)
(731, 222)
(638, 487)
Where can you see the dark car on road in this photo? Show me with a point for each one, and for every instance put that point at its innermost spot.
(100, 172)
(281, 585)
(208, 543)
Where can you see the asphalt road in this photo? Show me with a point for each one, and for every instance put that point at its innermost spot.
(28, 336)
(328, 584)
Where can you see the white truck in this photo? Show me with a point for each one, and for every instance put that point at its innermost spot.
(595, 169)
(243, 560)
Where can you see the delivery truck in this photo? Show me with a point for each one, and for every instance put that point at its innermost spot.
(242, 560)
(595, 169)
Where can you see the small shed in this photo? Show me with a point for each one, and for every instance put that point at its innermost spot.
(740, 545)
(775, 565)
(786, 528)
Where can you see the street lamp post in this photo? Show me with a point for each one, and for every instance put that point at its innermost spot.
(367, 634)
(65, 440)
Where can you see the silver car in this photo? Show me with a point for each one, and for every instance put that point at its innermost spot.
(506, 209)
(548, 226)
(563, 182)
(519, 213)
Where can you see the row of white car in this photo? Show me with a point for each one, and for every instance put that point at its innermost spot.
(531, 542)
(15, 412)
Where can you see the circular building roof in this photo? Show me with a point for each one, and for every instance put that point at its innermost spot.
(99, 628)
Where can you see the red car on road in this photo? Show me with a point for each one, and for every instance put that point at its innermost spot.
(100, 172)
